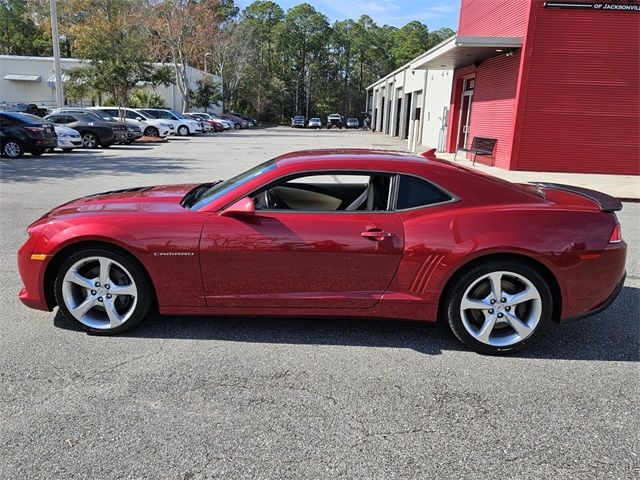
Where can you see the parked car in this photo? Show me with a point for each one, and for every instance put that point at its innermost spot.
(252, 121)
(391, 235)
(237, 121)
(334, 120)
(315, 122)
(121, 135)
(151, 127)
(215, 125)
(183, 125)
(23, 132)
(353, 122)
(226, 123)
(68, 138)
(207, 125)
(30, 108)
(298, 122)
(94, 132)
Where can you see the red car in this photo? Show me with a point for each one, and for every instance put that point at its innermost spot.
(356, 233)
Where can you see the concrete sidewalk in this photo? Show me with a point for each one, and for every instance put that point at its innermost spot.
(624, 187)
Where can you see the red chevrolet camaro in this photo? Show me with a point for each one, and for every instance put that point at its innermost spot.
(356, 233)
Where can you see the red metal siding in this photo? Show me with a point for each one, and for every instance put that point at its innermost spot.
(580, 104)
(493, 18)
(493, 107)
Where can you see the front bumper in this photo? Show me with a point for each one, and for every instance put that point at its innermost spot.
(69, 142)
(32, 275)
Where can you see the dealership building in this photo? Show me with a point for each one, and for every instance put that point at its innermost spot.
(32, 80)
(546, 86)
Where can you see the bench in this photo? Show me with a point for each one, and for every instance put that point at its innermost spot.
(479, 146)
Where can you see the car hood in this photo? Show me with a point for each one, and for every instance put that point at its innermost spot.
(161, 198)
(61, 129)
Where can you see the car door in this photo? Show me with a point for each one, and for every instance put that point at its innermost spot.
(300, 259)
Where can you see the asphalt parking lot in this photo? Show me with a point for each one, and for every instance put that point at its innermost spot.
(194, 398)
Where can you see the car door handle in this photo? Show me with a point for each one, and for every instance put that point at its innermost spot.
(377, 235)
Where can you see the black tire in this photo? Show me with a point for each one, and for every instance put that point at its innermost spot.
(152, 132)
(466, 279)
(237, 126)
(12, 148)
(90, 140)
(183, 130)
(145, 297)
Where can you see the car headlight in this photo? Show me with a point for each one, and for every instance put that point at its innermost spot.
(166, 125)
(63, 135)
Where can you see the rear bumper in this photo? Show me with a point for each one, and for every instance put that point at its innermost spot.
(603, 306)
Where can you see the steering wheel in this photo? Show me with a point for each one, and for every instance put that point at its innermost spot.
(271, 201)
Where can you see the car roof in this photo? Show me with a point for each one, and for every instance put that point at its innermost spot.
(348, 155)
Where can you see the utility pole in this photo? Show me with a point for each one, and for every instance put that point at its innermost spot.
(56, 54)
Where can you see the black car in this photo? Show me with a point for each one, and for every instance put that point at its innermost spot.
(120, 131)
(93, 132)
(22, 132)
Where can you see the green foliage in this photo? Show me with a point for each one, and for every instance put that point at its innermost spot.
(206, 95)
(19, 35)
(146, 99)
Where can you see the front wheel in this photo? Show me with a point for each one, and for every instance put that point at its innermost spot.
(151, 132)
(183, 130)
(499, 307)
(103, 291)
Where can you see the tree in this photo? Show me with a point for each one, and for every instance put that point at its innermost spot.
(206, 95)
(146, 99)
(19, 34)
(115, 47)
(410, 41)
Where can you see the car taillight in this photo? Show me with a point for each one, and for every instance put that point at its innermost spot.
(35, 129)
(616, 235)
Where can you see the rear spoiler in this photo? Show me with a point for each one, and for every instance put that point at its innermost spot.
(607, 203)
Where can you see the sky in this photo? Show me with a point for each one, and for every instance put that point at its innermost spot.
(433, 13)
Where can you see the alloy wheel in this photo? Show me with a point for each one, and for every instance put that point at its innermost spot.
(183, 131)
(89, 140)
(99, 292)
(501, 308)
(152, 132)
(12, 149)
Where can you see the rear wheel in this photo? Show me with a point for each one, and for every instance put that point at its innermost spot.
(102, 291)
(499, 307)
(89, 140)
(12, 149)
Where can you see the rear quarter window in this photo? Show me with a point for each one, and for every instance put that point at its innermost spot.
(414, 192)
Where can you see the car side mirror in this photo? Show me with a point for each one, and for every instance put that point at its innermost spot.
(139, 119)
(242, 208)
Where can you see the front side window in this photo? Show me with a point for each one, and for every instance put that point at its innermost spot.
(414, 192)
(328, 192)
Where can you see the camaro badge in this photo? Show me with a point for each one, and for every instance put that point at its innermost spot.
(173, 254)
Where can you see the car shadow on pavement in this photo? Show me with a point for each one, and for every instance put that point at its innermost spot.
(610, 336)
(76, 164)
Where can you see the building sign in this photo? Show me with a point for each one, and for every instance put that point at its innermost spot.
(600, 6)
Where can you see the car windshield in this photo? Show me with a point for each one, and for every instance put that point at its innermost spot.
(178, 115)
(203, 197)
